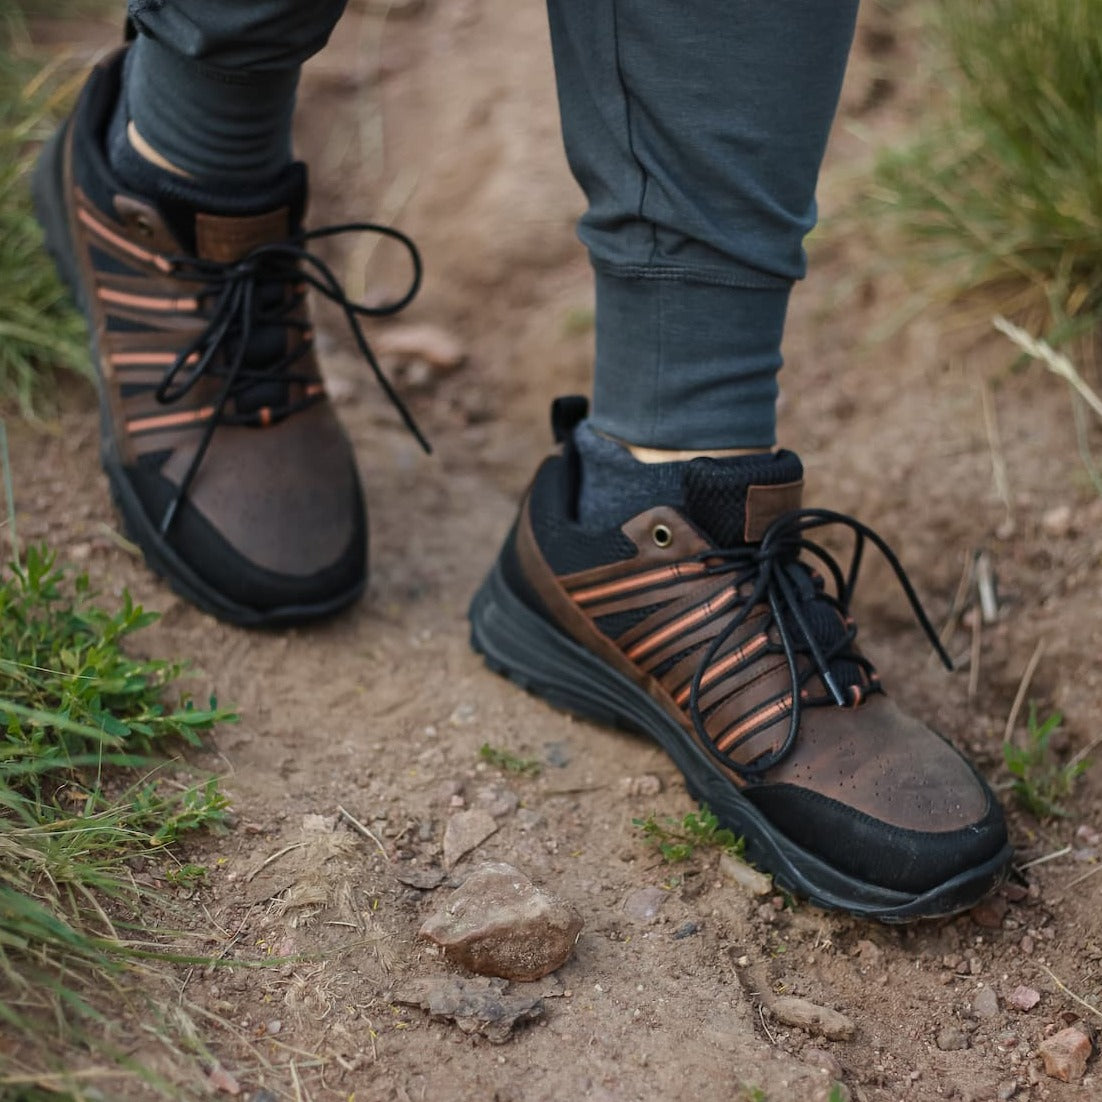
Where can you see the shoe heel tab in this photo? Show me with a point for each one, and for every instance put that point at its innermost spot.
(566, 414)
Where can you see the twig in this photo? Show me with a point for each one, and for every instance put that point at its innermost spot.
(1055, 361)
(355, 823)
(1084, 876)
(995, 446)
(976, 652)
(985, 587)
(274, 857)
(1023, 688)
(768, 1031)
(1047, 857)
(957, 602)
(1071, 994)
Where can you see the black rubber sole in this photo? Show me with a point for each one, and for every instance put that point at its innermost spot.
(521, 645)
(47, 193)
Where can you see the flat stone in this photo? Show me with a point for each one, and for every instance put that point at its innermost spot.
(465, 831)
(475, 1005)
(498, 923)
(643, 905)
(498, 799)
(1065, 1054)
(424, 878)
(1023, 998)
(820, 1020)
(990, 913)
(952, 1039)
(986, 1003)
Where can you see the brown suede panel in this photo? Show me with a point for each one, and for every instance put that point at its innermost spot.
(765, 503)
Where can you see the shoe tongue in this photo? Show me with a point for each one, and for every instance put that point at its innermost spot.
(734, 500)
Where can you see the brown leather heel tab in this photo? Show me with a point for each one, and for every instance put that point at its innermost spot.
(226, 239)
(765, 503)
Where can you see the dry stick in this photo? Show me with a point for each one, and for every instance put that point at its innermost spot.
(957, 602)
(985, 587)
(768, 1031)
(1023, 688)
(355, 823)
(974, 657)
(995, 446)
(1084, 876)
(1071, 994)
(1046, 857)
(274, 857)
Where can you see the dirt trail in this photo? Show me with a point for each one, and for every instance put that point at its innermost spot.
(447, 124)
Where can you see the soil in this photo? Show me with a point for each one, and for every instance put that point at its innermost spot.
(446, 124)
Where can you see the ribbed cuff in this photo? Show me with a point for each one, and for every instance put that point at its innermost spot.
(685, 365)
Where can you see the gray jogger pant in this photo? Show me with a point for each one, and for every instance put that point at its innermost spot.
(696, 129)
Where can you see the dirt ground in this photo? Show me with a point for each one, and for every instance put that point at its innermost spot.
(447, 125)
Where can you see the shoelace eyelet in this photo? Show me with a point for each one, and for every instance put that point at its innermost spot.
(661, 535)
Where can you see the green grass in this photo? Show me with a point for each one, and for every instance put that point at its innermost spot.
(40, 333)
(1003, 188)
(508, 762)
(678, 839)
(85, 796)
(1041, 782)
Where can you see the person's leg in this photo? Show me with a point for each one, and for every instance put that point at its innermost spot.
(210, 85)
(652, 578)
(172, 207)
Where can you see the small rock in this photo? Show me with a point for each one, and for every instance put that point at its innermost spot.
(868, 952)
(465, 831)
(1023, 998)
(1057, 522)
(557, 754)
(263, 1095)
(498, 923)
(734, 868)
(1065, 1054)
(1006, 1090)
(475, 1005)
(824, 1061)
(685, 930)
(952, 1039)
(986, 1003)
(498, 799)
(273, 1027)
(317, 824)
(423, 879)
(990, 913)
(428, 343)
(221, 1080)
(649, 784)
(643, 905)
(816, 1019)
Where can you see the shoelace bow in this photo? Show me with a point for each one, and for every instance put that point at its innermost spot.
(769, 567)
(239, 309)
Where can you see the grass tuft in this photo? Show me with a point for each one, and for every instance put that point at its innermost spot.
(40, 332)
(678, 839)
(1042, 783)
(83, 804)
(1003, 189)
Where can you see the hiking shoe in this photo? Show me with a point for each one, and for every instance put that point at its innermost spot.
(222, 450)
(697, 623)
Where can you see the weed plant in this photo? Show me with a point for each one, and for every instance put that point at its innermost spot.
(39, 330)
(1003, 188)
(678, 839)
(82, 801)
(1041, 783)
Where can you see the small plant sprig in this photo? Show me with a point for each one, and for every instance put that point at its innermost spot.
(678, 839)
(1041, 783)
(509, 762)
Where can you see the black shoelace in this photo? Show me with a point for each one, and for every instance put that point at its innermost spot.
(241, 307)
(772, 571)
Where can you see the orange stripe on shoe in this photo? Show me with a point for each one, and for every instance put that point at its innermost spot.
(725, 665)
(764, 716)
(182, 305)
(169, 420)
(691, 619)
(638, 581)
(107, 234)
(312, 389)
(148, 359)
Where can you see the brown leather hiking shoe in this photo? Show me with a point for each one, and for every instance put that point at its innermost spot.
(698, 624)
(223, 453)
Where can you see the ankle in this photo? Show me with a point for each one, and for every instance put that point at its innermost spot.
(643, 454)
(144, 150)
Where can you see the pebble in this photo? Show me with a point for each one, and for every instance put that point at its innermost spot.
(824, 1061)
(649, 784)
(643, 905)
(685, 930)
(1006, 1090)
(428, 343)
(986, 1003)
(1065, 1054)
(1023, 998)
(950, 1038)
(273, 1027)
(498, 799)
(423, 878)
(746, 876)
(465, 831)
(221, 1080)
(820, 1020)
(1058, 521)
(990, 913)
(498, 923)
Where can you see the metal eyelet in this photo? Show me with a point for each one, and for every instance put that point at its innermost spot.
(661, 535)
(143, 225)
